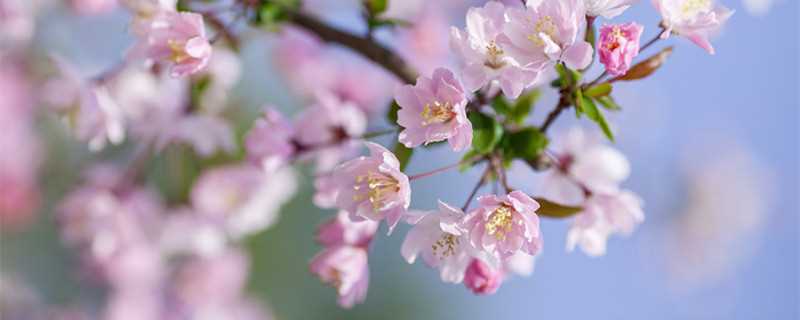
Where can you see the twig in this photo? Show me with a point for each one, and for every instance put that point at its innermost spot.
(477, 187)
(363, 45)
(562, 105)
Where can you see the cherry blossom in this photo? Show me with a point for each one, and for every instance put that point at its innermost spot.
(619, 44)
(602, 216)
(696, 20)
(345, 268)
(607, 8)
(505, 225)
(434, 110)
(178, 39)
(373, 187)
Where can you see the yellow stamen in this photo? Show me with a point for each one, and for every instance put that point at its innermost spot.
(500, 222)
(494, 60)
(178, 51)
(379, 187)
(437, 112)
(543, 25)
(445, 246)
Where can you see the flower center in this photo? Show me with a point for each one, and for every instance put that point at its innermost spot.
(500, 222)
(543, 25)
(691, 8)
(178, 52)
(437, 112)
(445, 246)
(377, 188)
(494, 56)
(617, 36)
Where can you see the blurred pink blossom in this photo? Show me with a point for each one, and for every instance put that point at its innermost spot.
(176, 38)
(482, 278)
(602, 216)
(92, 7)
(270, 142)
(342, 230)
(696, 20)
(345, 268)
(16, 23)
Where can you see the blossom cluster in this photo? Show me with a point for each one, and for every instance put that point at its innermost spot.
(184, 258)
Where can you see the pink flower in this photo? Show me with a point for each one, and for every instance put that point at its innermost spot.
(178, 39)
(373, 187)
(269, 142)
(17, 23)
(217, 279)
(607, 8)
(149, 8)
(342, 230)
(205, 133)
(344, 268)
(441, 239)
(88, 108)
(434, 110)
(619, 44)
(602, 216)
(483, 56)
(327, 130)
(542, 34)
(583, 161)
(505, 225)
(694, 19)
(242, 197)
(482, 278)
(424, 43)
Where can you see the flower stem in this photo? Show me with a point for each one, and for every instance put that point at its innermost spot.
(477, 187)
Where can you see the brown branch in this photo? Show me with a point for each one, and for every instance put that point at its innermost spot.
(563, 104)
(363, 45)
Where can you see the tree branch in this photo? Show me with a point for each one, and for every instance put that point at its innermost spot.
(365, 46)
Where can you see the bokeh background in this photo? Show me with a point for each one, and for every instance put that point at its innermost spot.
(713, 142)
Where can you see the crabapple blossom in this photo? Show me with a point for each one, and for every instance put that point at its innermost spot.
(16, 23)
(342, 230)
(439, 236)
(87, 108)
(222, 74)
(176, 38)
(619, 44)
(607, 8)
(434, 110)
(424, 43)
(603, 215)
(269, 143)
(207, 134)
(327, 129)
(483, 56)
(243, 197)
(542, 34)
(505, 225)
(373, 187)
(481, 278)
(696, 20)
(584, 162)
(346, 269)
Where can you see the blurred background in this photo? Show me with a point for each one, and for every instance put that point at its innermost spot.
(713, 143)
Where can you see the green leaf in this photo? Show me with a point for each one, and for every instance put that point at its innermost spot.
(600, 90)
(501, 105)
(391, 114)
(527, 143)
(376, 7)
(590, 109)
(609, 103)
(551, 209)
(578, 105)
(486, 132)
(403, 154)
(523, 106)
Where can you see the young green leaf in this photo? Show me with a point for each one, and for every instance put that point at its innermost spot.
(403, 154)
(551, 209)
(391, 113)
(486, 132)
(527, 143)
(600, 90)
(590, 109)
(522, 108)
(609, 103)
(376, 7)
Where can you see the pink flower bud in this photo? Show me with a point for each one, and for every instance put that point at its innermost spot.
(481, 278)
(619, 44)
